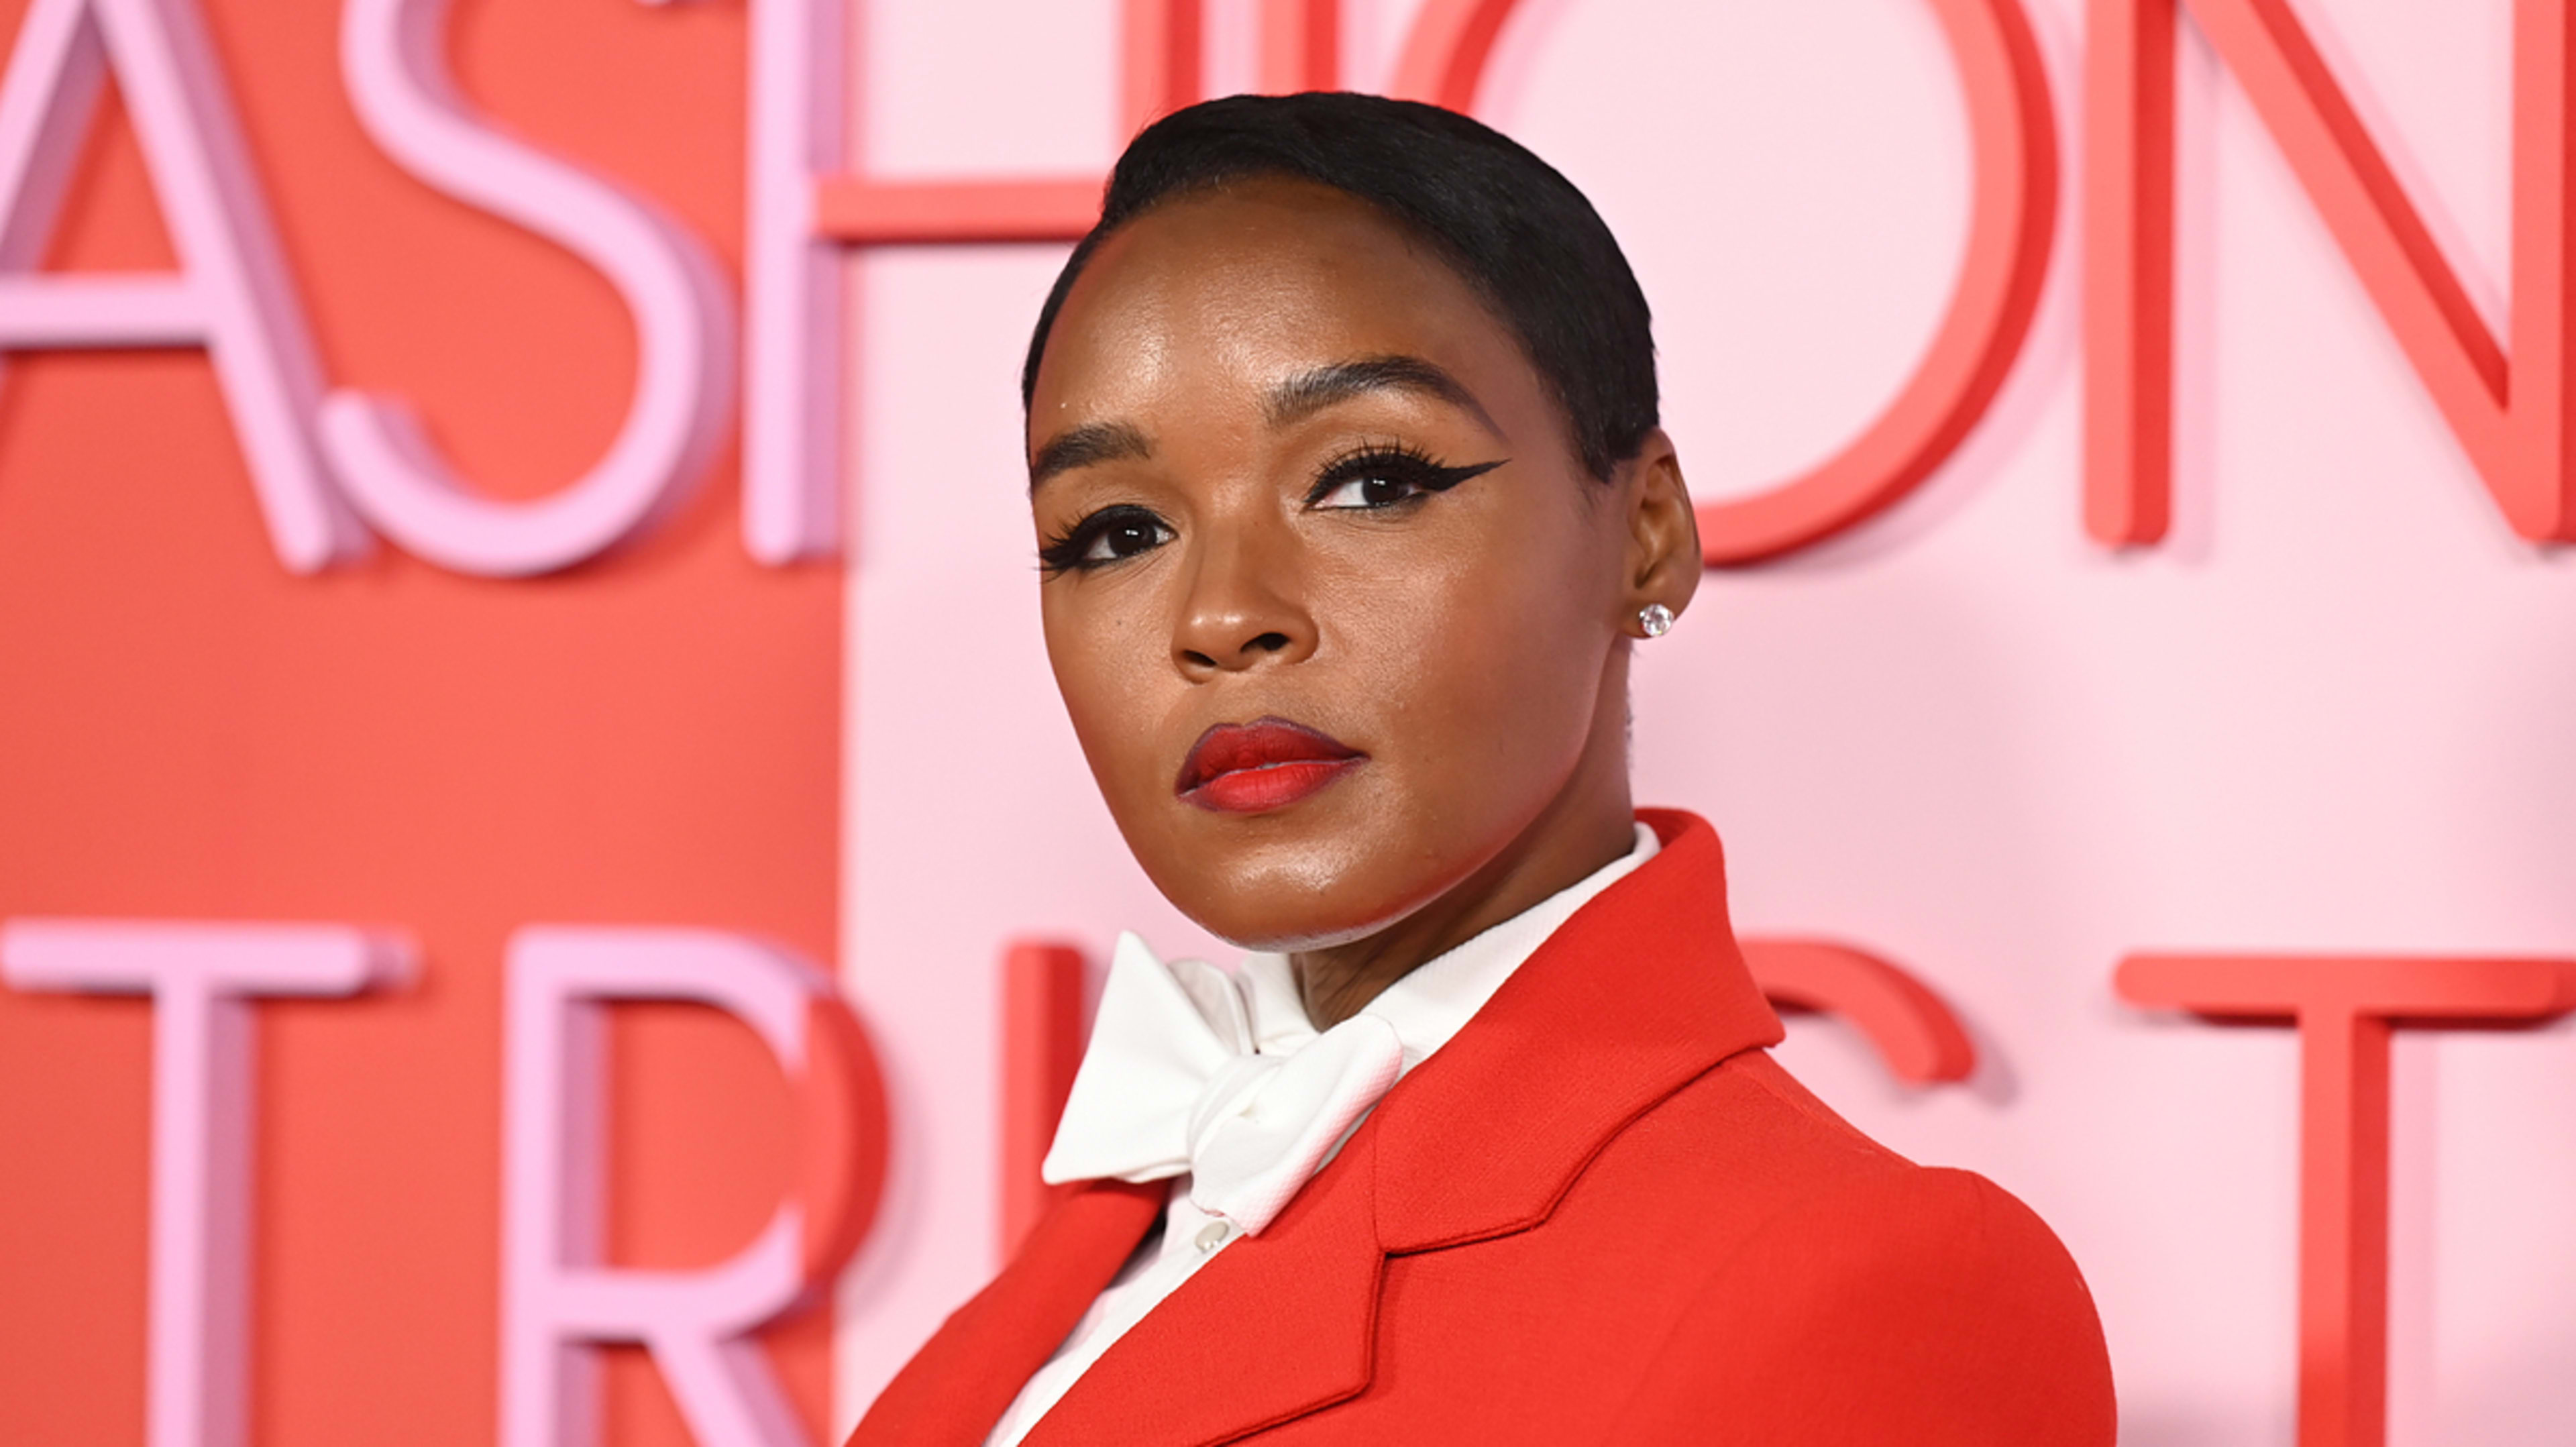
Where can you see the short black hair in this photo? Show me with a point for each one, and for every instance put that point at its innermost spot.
(1517, 231)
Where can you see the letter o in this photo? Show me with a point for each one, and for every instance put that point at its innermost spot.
(2014, 141)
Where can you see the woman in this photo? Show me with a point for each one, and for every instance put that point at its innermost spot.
(1352, 506)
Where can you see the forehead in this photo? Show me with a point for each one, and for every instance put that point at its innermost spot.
(1228, 292)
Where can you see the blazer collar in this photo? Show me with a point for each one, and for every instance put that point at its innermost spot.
(1640, 992)
(1637, 994)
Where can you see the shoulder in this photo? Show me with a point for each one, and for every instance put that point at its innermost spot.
(1742, 1137)
(1861, 1298)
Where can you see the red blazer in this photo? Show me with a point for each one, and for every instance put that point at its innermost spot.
(1601, 1214)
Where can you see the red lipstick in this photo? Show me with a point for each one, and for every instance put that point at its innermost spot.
(1267, 764)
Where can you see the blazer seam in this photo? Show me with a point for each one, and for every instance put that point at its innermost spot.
(1843, 1133)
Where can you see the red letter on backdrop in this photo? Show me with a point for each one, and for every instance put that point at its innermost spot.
(1910, 1027)
(2511, 419)
(1301, 45)
(2008, 238)
(1444, 56)
(1160, 54)
(1042, 1037)
(2014, 217)
(2345, 1009)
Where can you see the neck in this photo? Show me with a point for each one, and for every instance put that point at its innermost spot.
(1588, 824)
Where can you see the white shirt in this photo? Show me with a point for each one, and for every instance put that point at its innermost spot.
(1425, 1008)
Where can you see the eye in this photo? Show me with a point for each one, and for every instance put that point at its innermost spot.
(1123, 536)
(1111, 535)
(1378, 489)
(1377, 478)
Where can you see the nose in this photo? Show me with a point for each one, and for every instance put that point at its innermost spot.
(1246, 603)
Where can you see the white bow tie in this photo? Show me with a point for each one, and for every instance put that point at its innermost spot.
(1174, 1081)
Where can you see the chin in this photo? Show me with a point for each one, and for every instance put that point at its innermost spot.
(1260, 905)
(1288, 936)
(1324, 872)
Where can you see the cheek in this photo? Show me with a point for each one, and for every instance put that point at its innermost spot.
(1488, 660)
(1107, 656)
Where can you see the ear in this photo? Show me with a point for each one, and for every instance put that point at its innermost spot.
(1663, 563)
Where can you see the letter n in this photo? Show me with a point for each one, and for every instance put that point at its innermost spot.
(2510, 411)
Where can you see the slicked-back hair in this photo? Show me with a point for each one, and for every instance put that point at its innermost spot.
(1519, 233)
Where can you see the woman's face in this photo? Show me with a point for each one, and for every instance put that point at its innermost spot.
(1336, 610)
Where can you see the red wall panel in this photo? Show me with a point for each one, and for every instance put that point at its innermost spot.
(187, 731)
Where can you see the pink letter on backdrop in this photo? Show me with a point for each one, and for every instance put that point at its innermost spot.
(2512, 418)
(231, 294)
(389, 58)
(802, 212)
(2345, 1009)
(202, 978)
(791, 474)
(557, 1298)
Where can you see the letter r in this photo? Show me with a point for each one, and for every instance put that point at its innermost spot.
(559, 1299)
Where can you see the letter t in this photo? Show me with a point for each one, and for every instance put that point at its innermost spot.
(201, 978)
(2345, 1009)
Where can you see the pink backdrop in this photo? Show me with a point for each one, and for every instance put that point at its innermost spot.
(2324, 715)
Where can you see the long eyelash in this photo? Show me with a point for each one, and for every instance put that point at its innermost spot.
(1056, 556)
(1403, 458)
(1063, 552)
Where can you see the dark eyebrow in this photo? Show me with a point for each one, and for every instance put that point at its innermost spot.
(1083, 446)
(1308, 393)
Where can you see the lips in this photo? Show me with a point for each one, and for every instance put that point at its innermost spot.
(1267, 764)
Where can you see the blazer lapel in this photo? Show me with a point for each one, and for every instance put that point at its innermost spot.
(959, 1384)
(1278, 1325)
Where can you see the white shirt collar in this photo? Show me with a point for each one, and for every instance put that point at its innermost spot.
(1436, 999)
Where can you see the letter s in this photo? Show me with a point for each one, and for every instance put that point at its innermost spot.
(389, 60)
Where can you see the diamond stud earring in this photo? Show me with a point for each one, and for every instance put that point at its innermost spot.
(1656, 619)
